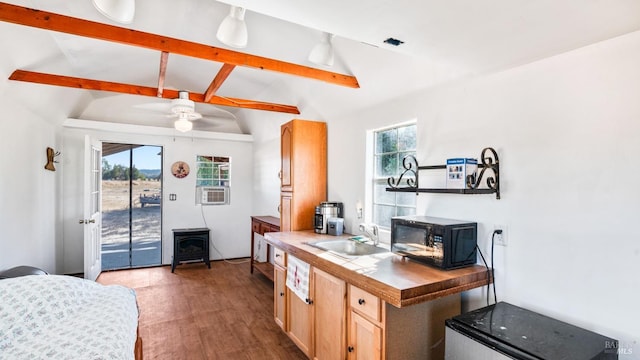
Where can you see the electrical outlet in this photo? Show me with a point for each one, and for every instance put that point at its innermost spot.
(500, 239)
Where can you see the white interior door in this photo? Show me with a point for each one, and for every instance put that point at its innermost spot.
(92, 220)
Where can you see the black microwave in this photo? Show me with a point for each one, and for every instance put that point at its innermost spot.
(443, 243)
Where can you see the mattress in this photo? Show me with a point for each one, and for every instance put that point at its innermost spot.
(64, 317)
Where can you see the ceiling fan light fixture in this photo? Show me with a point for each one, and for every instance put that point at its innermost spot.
(120, 11)
(322, 53)
(183, 125)
(233, 29)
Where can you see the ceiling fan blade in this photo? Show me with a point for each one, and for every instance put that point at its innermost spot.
(216, 120)
(157, 107)
(214, 112)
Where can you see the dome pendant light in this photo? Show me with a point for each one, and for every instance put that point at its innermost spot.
(120, 11)
(322, 53)
(233, 29)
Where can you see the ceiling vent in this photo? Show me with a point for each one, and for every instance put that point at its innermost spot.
(394, 42)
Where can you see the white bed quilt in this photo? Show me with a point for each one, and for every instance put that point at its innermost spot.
(64, 317)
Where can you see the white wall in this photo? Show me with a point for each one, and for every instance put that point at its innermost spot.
(29, 212)
(266, 162)
(567, 133)
(230, 224)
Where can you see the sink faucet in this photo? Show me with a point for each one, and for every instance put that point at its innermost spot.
(371, 230)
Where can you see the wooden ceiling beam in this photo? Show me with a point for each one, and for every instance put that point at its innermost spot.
(222, 75)
(70, 25)
(88, 84)
(164, 58)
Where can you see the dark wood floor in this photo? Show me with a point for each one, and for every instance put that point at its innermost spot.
(198, 313)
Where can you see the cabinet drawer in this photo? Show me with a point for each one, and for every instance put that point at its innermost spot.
(279, 257)
(255, 227)
(364, 303)
(264, 228)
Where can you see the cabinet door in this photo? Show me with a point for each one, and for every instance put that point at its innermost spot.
(286, 153)
(365, 339)
(279, 296)
(299, 321)
(329, 316)
(286, 204)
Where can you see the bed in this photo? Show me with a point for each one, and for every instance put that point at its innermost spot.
(65, 317)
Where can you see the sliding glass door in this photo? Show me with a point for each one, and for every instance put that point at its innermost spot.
(131, 206)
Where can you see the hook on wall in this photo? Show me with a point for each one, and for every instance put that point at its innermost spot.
(51, 156)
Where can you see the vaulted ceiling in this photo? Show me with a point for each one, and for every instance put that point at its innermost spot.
(443, 41)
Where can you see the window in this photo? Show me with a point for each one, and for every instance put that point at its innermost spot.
(212, 171)
(390, 146)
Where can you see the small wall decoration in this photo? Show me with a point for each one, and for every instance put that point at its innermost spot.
(51, 155)
(180, 169)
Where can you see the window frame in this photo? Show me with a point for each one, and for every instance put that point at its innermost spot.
(217, 163)
(374, 181)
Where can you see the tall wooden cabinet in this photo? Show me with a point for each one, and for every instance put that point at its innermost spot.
(303, 172)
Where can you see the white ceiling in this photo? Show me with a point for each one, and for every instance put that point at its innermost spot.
(444, 40)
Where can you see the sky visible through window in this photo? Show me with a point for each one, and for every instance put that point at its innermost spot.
(145, 157)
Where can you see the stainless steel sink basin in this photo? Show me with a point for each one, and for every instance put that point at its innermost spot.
(347, 247)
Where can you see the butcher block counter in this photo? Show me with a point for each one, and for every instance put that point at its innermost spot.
(396, 280)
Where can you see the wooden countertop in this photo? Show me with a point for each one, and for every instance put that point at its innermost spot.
(395, 279)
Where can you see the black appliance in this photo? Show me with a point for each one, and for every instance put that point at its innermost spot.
(502, 331)
(190, 244)
(443, 243)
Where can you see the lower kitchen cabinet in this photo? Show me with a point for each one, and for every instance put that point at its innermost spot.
(342, 321)
(299, 323)
(329, 316)
(378, 330)
(280, 287)
(318, 326)
(365, 339)
(279, 296)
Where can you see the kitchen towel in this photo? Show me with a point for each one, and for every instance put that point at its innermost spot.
(298, 277)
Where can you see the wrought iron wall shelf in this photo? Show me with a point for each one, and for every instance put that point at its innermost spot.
(489, 171)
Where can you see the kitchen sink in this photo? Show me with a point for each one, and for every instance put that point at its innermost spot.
(347, 247)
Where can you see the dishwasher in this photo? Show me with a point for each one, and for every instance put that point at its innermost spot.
(505, 331)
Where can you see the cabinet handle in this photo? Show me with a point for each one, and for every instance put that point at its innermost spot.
(279, 209)
(361, 301)
(309, 301)
(280, 174)
(350, 349)
(281, 294)
(277, 255)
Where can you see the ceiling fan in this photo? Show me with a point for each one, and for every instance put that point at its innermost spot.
(184, 111)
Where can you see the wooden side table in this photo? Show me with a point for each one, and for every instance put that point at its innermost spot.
(261, 225)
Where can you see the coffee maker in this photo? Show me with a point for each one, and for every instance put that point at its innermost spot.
(324, 211)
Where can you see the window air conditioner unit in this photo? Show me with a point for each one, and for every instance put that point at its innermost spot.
(216, 195)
